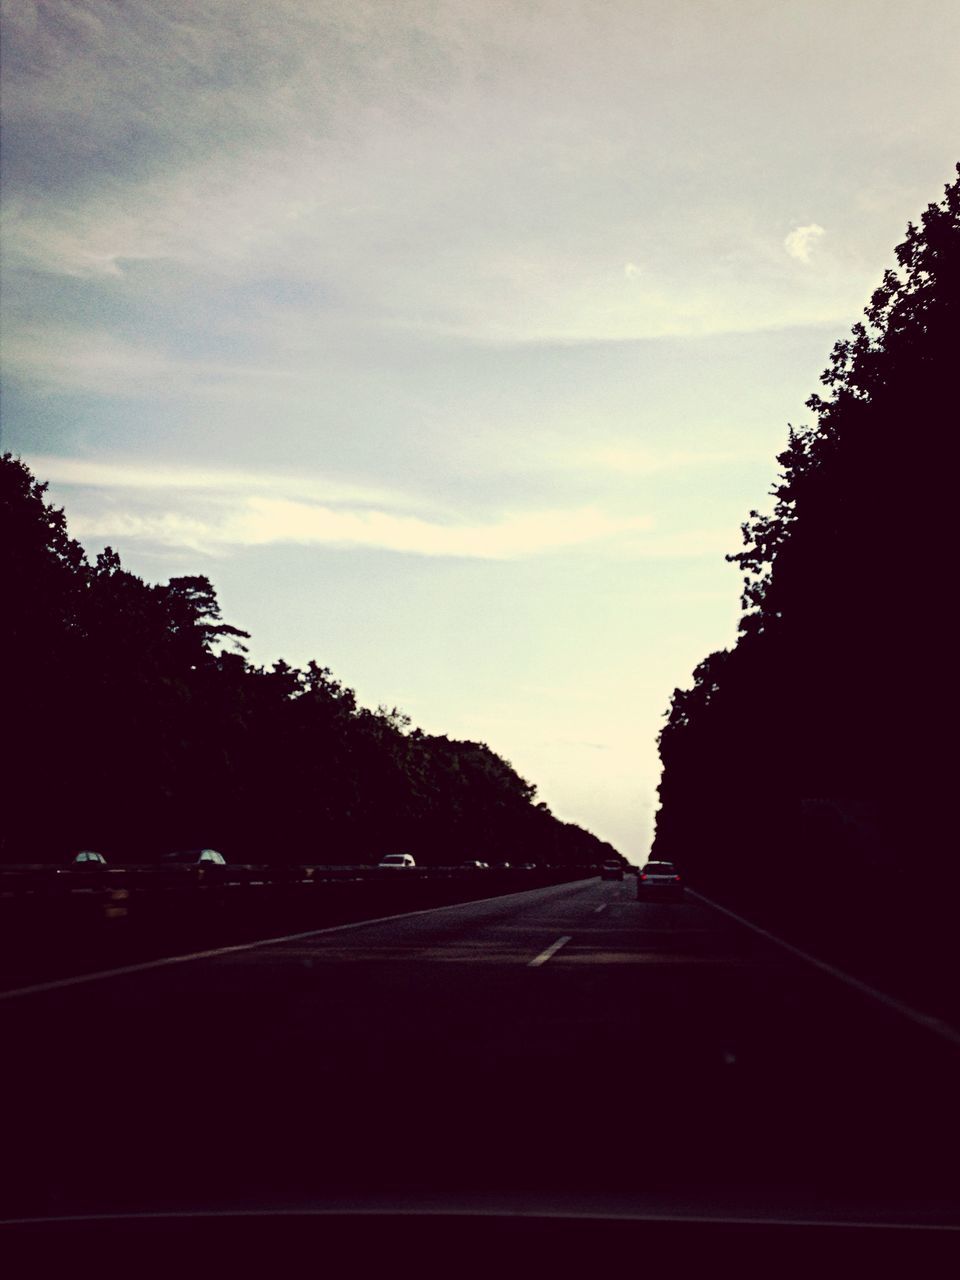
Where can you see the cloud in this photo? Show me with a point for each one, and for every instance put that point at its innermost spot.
(213, 512)
(682, 544)
(361, 150)
(261, 521)
(223, 215)
(630, 459)
(801, 240)
(95, 360)
(218, 482)
(87, 360)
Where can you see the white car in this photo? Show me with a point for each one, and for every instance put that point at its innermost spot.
(659, 880)
(395, 862)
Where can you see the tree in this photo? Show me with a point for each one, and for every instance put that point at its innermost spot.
(140, 725)
(846, 587)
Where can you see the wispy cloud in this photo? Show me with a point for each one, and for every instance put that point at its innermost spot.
(339, 156)
(59, 358)
(635, 460)
(129, 477)
(683, 544)
(227, 215)
(258, 521)
(214, 512)
(799, 243)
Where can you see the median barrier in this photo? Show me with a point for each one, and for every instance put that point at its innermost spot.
(54, 922)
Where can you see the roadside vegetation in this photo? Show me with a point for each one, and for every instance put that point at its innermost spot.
(134, 723)
(809, 771)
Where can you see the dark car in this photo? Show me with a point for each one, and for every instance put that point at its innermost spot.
(659, 880)
(87, 860)
(91, 866)
(611, 870)
(203, 859)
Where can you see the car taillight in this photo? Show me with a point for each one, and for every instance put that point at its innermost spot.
(678, 877)
(643, 875)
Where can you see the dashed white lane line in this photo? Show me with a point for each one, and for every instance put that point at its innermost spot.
(552, 950)
(942, 1029)
(602, 907)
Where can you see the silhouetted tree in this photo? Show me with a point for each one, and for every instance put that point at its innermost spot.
(134, 722)
(840, 684)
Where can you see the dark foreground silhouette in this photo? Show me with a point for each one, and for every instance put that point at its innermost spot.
(809, 772)
(663, 1073)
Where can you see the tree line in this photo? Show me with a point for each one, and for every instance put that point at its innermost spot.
(135, 723)
(822, 744)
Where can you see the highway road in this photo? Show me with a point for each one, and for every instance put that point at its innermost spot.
(567, 1048)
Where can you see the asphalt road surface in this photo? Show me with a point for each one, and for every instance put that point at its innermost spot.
(564, 1048)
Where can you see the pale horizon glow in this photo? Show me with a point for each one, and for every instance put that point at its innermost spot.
(454, 340)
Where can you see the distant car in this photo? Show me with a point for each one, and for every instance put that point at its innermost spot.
(611, 870)
(396, 862)
(502, 866)
(526, 866)
(203, 858)
(659, 880)
(473, 865)
(87, 860)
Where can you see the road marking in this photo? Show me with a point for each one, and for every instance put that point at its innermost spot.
(468, 1208)
(602, 907)
(942, 1029)
(79, 979)
(552, 950)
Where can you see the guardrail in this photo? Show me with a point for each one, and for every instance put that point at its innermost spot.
(44, 879)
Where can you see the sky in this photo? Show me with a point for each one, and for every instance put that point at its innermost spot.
(454, 339)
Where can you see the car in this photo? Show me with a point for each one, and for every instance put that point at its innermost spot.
(473, 865)
(90, 864)
(611, 870)
(502, 866)
(206, 859)
(659, 880)
(526, 866)
(87, 860)
(396, 862)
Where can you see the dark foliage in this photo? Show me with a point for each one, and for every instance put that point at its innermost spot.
(826, 734)
(134, 723)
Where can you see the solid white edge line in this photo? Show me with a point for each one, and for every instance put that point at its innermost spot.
(552, 950)
(602, 907)
(79, 979)
(443, 1211)
(925, 1020)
